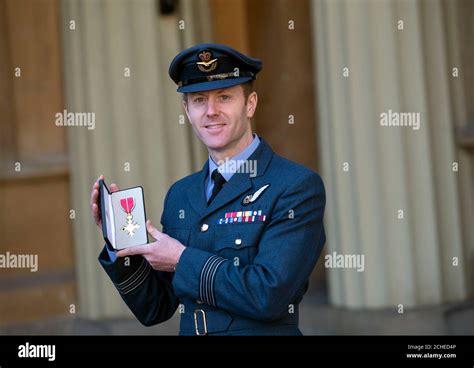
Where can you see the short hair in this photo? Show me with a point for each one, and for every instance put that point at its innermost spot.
(247, 88)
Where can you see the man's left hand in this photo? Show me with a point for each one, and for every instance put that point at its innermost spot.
(162, 255)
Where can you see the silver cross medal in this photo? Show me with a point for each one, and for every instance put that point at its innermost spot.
(130, 227)
(128, 204)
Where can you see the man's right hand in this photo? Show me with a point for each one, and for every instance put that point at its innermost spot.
(95, 205)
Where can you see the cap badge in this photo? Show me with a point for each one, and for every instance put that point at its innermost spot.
(207, 64)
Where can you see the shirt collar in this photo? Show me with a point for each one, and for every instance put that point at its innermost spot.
(228, 171)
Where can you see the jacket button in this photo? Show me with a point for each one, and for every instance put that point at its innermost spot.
(238, 241)
(199, 301)
(204, 227)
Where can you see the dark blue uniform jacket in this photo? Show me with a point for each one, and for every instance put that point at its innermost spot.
(249, 253)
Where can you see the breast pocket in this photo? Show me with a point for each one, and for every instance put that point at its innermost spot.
(238, 242)
(180, 234)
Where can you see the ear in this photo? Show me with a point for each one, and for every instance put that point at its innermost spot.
(252, 101)
(185, 108)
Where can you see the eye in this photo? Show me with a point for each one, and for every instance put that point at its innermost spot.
(225, 97)
(198, 99)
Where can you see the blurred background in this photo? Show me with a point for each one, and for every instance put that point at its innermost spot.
(401, 197)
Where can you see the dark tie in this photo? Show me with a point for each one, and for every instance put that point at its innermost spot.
(219, 182)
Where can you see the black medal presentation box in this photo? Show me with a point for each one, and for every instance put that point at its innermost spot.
(123, 216)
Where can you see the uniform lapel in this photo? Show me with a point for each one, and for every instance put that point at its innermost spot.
(240, 182)
(196, 192)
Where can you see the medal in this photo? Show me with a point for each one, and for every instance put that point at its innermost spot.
(242, 216)
(128, 204)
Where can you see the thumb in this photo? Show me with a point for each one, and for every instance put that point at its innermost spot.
(152, 230)
(114, 187)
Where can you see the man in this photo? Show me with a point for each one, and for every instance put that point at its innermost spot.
(240, 237)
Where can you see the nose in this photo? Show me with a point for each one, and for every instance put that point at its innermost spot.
(212, 109)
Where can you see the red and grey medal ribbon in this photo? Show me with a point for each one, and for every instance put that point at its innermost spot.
(128, 204)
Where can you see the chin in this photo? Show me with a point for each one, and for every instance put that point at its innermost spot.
(215, 144)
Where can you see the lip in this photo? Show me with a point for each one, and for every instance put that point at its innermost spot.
(215, 128)
(214, 125)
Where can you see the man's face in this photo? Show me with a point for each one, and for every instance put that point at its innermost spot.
(221, 118)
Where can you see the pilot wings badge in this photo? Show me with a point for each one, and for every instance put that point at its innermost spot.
(253, 197)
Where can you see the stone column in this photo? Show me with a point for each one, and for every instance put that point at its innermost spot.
(116, 58)
(392, 194)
